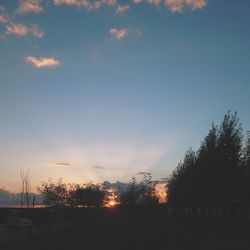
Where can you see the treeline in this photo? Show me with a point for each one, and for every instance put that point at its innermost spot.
(58, 193)
(218, 173)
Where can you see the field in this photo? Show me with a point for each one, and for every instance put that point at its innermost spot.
(148, 229)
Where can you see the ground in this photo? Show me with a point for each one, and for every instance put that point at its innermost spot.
(122, 229)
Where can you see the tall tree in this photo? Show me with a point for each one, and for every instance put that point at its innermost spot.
(181, 187)
(213, 174)
(140, 194)
(245, 187)
(229, 154)
(89, 195)
(54, 193)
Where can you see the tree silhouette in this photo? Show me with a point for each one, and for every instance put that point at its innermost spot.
(89, 195)
(25, 187)
(54, 193)
(213, 174)
(181, 187)
(245, 185)
(140, 194)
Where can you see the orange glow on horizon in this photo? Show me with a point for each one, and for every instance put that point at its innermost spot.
(112, 203)
(161, 192)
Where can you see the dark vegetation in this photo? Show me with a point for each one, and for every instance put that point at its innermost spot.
(123, 229)
(59, 194)
(215, 176)
(218, 173)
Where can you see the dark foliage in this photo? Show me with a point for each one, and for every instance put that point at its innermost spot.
(54, 193)
(218, 173)
(88, 195)
(61, 194)
(140, 194)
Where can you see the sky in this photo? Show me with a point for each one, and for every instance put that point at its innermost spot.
(106, 90)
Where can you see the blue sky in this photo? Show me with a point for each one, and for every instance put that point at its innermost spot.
(103, 90)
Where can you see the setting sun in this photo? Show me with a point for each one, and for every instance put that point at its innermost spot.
(112, 203)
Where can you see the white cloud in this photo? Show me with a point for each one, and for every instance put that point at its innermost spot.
(22, 30)
(30, 6)
(35, 31)
(154, 2)
(110, 2)
(179, 5)
(119, 34)
(120, 9)
(85, 4)
(42, 62)
(137, 1)
(196, 4)
(3, 19)
(93, 5)
(17, 29)
(173, 5)
(67, 2)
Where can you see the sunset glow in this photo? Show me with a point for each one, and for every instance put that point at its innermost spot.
(95, 91)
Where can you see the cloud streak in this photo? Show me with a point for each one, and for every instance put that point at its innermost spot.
(42, 62)
(119, 34)
(60, 164)
(17, 29)
(36, 31)
(142, 173)
(120, 9)
(27, 6)
(3, 19)
(180, 5)
(154, 2)
(137, 1)
(99, 167)
(89, 5)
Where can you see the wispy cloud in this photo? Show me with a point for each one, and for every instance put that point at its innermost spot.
(179, 5)
(30, 6)
(93, 5)
(36, 31)
(173, 5)
(59, 164)
(17, 29)
(196, 4)
(154, 2)
(84, 4)
(99, 167)
(63, 164)
(42, 62)
(119, 34)
(120, 9)
(3, 19)
(137, 1)
(110, 2)
(142, 173)
(67, 2)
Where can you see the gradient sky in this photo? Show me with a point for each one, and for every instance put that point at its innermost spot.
(103, 90)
